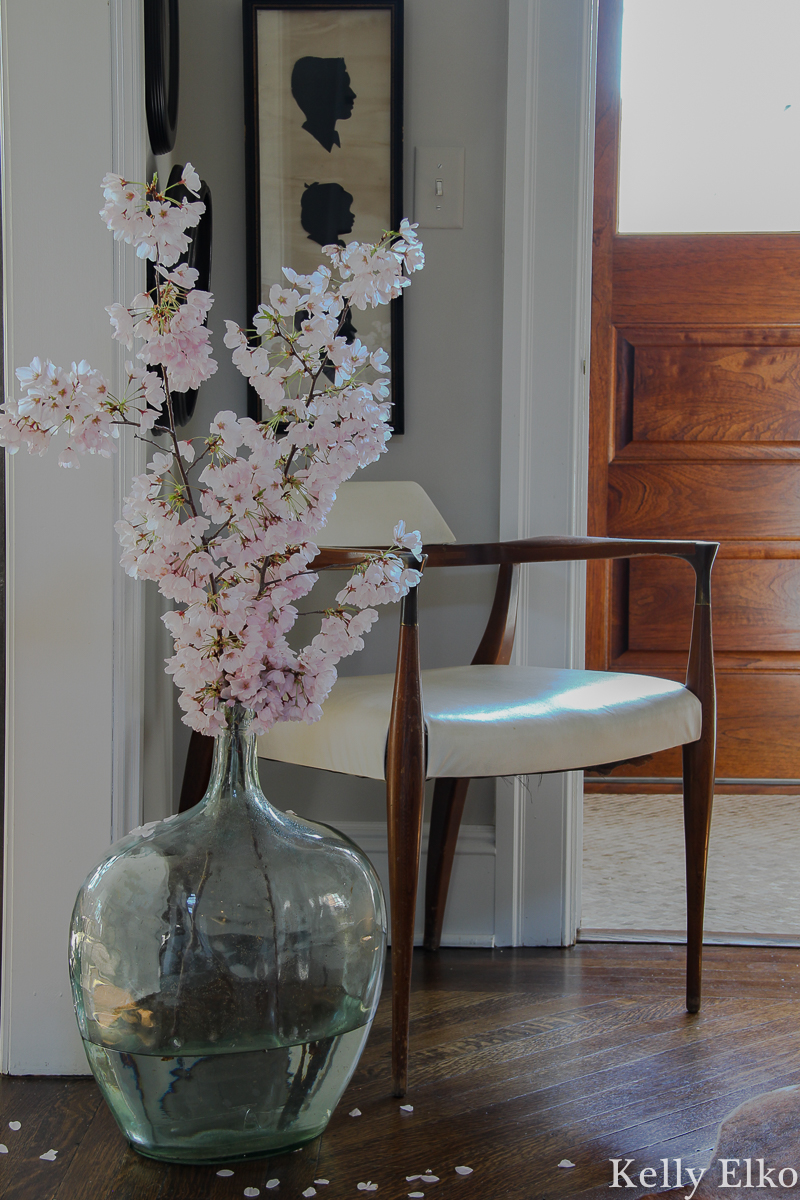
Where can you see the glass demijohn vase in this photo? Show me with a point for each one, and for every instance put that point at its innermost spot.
(226, 966)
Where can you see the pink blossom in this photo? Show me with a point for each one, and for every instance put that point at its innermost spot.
(190, 179)
(226, 428)
(160, 464)
(284, 301)
(186, 356)
(122, 320)
(414, 258)
(408, 541)
(183, 275)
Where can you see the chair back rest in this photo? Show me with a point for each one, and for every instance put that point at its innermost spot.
(365, 514)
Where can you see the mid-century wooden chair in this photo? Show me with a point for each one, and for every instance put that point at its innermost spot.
(491, 718)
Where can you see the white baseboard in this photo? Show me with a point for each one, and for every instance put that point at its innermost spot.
(469, 920)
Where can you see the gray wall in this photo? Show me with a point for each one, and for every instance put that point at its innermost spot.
(455, 86)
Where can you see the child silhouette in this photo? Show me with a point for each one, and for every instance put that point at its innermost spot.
(325, 213)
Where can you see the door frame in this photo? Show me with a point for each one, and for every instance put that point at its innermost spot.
(545, 419)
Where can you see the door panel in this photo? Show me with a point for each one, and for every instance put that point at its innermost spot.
(716, 393)
(729, 273)
(766, 702)
(755, 603)
(695, 433)
(710, 500)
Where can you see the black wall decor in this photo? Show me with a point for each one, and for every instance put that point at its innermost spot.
(324, 147)
(162, 72)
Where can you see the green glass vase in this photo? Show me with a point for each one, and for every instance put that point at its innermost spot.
(226, 965)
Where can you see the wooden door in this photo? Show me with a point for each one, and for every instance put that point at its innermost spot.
(695, 432)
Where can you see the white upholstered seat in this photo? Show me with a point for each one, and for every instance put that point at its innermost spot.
(496, 720)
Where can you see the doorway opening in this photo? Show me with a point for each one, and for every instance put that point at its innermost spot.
(695, 433)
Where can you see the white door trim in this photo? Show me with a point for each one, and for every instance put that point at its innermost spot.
(544, 440)
(128, 157)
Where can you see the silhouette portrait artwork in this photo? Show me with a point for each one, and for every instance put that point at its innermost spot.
(321, 87)
(325, 213)
(324, 137)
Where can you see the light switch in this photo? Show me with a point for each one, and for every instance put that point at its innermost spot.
(439, 187)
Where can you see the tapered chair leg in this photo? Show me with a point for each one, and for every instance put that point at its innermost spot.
(699, 760)
(405, 793)
(448, 808)
(405, 830)
(698, 796)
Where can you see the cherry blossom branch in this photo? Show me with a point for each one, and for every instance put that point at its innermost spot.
(235, 550)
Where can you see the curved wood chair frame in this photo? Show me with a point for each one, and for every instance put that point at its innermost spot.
(405, 753)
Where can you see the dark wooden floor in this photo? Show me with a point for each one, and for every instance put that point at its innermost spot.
(520, 1058)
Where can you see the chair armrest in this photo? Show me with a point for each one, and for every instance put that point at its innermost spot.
(332, 558)
(337, 558)
(561, 549)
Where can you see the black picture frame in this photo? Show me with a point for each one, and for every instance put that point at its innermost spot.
(294, 52)
(162, 60)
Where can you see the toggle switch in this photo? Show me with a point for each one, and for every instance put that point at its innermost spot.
(439, 187)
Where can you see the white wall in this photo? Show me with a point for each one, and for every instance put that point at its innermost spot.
(59, 272)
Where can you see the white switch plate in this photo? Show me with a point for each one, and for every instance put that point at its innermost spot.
(439, 169)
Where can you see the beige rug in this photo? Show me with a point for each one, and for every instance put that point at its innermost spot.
(633, 865)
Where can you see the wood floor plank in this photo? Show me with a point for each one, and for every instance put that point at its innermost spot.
(519, 1059)
(603, 1046)
(107, 1165)
(53, 1114)
(638, 1084)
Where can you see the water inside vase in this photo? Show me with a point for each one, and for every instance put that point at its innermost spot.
(220, 1106)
